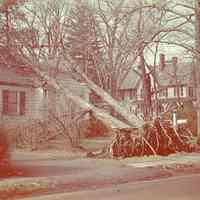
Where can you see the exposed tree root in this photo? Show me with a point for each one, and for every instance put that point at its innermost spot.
(154, 139)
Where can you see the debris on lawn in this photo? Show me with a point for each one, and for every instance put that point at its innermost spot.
(154, 139)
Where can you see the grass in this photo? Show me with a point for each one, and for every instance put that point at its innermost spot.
(47, 154)
(93, 144)
(8, 189)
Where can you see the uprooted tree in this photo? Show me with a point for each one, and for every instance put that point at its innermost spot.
(120, 34)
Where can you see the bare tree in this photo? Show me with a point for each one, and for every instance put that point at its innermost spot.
(124, 31)
(39, 57)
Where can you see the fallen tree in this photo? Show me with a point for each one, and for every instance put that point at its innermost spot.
(82, 103)
(151, 138)
(163, 139)
(132, 120)
(148, 138)
(154, 138)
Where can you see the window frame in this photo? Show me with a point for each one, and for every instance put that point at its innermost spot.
(182, 90)
(176, 91)
(16, 106)
(190, 91)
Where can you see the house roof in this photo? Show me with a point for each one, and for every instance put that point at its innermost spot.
(182, 72)
(14, 71)
(9, 58)
(9, 76)
(130, 81)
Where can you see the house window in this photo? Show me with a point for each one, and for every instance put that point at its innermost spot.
(13, 103)
(162, 93)
(166, 92)
(182, 90)
(175, 91)
(129, 93)
(191, 91)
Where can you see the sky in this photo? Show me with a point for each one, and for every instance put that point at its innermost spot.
(168, 50)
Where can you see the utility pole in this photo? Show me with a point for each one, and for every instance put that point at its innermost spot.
(197, 58)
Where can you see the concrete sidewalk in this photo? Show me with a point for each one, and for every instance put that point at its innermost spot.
(186, 159)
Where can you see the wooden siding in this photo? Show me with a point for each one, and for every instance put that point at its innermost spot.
(37, 105)
(32, 103)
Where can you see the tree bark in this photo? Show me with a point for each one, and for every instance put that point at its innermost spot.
(101, 115)
(132, 119)
(147, 108)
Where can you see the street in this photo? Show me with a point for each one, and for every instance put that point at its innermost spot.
(176, 188)
(116, 179)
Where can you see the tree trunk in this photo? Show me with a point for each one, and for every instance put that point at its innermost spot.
(146, 89)
(131, 119)
(101, 115)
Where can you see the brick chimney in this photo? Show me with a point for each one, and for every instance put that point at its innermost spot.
(162, 61)
(174, 61)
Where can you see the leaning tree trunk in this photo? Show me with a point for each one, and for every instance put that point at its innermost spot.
(132, 119)
(147, 108)
(100, 114)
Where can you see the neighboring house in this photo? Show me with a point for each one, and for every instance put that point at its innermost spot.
(125, 94)
(175, 84)
(128, 89)
(172, 82)
(173, 93)
(23, 97)
(176, 96)
(172, 87)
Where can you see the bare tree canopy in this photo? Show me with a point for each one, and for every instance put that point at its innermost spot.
(98, 42)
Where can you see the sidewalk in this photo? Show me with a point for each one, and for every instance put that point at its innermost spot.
(186, 159)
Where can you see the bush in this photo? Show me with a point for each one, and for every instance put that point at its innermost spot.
(4, 147)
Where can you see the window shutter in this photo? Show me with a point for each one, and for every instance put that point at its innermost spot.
(5, 101)
(22, 103)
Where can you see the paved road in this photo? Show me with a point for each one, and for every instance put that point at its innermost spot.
(58, 176)
(176, 188)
